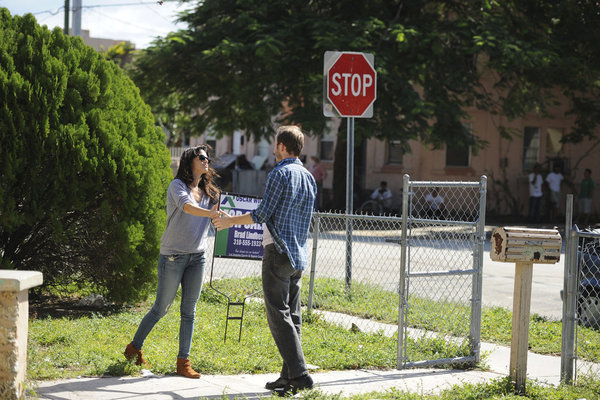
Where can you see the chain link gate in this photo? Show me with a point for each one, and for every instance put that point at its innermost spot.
(441, 271)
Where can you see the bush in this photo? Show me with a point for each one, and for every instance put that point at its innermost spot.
(84, 168)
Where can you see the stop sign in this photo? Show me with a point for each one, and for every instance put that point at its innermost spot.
(351, 84)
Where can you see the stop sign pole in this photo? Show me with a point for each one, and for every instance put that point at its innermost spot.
(349, 90)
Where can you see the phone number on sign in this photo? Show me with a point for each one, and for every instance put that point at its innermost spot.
(246, 242)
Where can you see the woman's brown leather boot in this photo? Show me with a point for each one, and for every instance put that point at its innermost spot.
(131, 352)
(184, 368)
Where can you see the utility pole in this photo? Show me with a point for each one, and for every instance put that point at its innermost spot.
(66, 29)
(76, 17)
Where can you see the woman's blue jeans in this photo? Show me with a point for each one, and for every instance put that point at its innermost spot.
(184, 269)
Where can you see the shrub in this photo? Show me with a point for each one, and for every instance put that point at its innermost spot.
(84, 168)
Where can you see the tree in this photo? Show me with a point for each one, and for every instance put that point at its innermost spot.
(84, 168)
(121, 53)
(240, 63)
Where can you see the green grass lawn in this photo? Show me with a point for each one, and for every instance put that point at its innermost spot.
(93, 345)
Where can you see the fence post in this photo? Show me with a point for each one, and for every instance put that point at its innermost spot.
(567, 354)
(520, 324)
(311, 288)
(401, 289)
(475, 333)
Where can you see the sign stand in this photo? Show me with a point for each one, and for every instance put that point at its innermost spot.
(229, 304)
(241, 242)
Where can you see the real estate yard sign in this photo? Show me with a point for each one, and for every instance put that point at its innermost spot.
(239, 241)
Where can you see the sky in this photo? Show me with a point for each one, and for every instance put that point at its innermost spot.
(139, 21)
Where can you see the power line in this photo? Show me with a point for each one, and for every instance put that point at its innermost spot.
(61, 8)
(144, 28)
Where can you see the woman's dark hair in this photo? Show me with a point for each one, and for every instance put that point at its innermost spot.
(185, 172)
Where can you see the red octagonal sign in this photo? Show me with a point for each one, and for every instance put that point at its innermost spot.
(351, 85)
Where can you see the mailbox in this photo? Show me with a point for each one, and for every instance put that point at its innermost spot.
(523, 247)
(538, 246)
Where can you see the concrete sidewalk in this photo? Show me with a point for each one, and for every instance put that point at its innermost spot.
(545, 369)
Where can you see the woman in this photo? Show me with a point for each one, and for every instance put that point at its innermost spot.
(192, 200)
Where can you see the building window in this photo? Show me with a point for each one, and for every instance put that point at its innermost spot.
(212, 143)
(211, 140)
(554, 144)
(394, 152)
(459, 155)
(327, 142)
(326, 150)
(531, 147)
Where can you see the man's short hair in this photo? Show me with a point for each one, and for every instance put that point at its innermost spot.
(383, 183)
(292, 138)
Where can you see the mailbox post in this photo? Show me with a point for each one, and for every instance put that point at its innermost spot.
(524, 247)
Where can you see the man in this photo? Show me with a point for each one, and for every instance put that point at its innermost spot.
(585, 197)
(383, 195)
(286, 209)
(435, 204)
(535, 194)
(554, 179)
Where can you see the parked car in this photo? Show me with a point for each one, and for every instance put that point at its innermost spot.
(588, 301)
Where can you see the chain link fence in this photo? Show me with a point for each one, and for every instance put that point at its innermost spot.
(355, 270)
(417, 276)
(581, 319)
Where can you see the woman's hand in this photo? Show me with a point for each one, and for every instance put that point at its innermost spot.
(214, 212)
(221, 220)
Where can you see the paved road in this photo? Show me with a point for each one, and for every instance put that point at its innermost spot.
(547, 282)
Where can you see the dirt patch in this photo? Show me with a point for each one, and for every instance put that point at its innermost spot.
(43, 305)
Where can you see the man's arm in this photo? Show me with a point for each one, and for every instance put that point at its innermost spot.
(225, 221)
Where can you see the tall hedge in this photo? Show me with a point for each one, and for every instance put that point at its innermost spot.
(83, 168)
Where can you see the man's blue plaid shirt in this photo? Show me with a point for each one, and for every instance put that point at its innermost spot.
(287, 208)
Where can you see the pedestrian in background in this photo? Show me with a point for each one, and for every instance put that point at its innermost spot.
(286, 209)
(586, 192)
(192, 200)
(319, 173)
(383, 195)
(554, 180)
(434, 204)
(535, 193)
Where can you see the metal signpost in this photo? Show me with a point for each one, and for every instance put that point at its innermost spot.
(350, 89)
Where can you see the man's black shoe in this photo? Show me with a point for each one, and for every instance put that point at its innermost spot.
(301, 383)
(279, 383)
